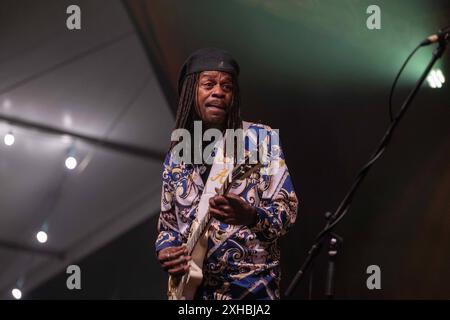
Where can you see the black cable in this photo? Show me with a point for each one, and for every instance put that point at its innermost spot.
(391, 94)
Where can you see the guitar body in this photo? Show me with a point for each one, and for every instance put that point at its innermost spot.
(184, 288)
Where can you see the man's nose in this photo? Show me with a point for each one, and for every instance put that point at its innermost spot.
(218, 92)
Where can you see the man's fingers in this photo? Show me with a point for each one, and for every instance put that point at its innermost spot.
(173, 263)
(218, 214)
(225, 208)
(179, 270)
(171, 249)
(171, 253)
(233, 198)
(219, 200)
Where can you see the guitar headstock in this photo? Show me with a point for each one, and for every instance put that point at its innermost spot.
(244, 170)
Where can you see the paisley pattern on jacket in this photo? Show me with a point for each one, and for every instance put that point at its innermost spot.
(242, 262)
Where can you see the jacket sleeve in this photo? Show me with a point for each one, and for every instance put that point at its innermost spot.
(277, 209)
(168, 232)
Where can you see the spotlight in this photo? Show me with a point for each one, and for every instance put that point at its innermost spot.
(436, 79)
(71, 163)
(42, 236)
(9, 139)
(17, 294)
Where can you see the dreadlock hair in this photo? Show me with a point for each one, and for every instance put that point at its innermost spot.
(186, 113)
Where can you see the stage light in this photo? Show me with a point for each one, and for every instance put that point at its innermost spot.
(440, 76)
(17, 294)
(71, 163)
(42, 236)
(436, 79)
(9, 139)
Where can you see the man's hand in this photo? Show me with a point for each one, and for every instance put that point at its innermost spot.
(231, 209)
(174, 260)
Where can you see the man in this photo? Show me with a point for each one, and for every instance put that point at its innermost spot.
(243, 256)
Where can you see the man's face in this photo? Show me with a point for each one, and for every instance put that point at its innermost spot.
(214, 96)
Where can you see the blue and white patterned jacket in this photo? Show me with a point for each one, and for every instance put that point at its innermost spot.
(242, 262)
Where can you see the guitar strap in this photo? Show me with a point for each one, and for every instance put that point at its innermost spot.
(221, 169)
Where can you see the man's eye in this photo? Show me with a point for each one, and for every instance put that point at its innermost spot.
(208, 84)
(228, 87)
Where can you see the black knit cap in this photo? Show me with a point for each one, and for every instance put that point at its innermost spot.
(208, 59)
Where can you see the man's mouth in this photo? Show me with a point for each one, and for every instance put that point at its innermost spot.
(215, 106)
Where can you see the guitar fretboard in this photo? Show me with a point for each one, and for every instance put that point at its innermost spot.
(205, 222)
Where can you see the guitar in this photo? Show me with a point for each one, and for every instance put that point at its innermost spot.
(184, 287)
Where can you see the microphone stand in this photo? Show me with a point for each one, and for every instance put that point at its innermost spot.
(344, 206)
(334, 244)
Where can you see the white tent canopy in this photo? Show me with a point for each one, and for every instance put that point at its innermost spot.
(96, 83)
